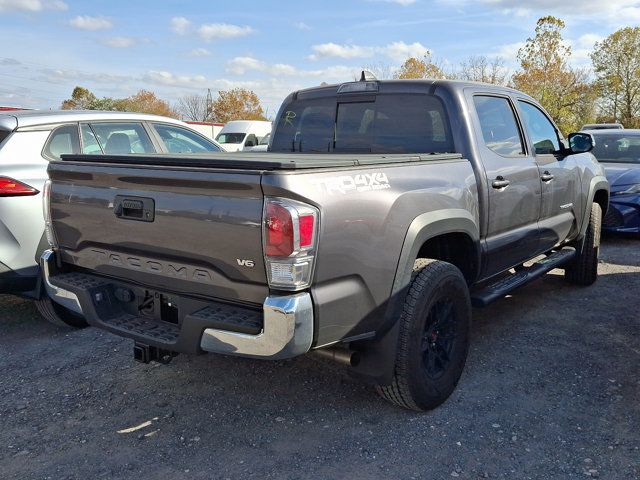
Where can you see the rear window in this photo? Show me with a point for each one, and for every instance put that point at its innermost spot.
(617, 148)
(3, 134)
(403, 123)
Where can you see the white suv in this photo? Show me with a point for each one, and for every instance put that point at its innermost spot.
(27, 140)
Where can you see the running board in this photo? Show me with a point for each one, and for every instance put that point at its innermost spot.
(504, 286)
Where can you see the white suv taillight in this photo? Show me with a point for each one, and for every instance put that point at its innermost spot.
(46, 210)
(290, 233)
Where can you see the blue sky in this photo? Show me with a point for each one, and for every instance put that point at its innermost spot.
(175, 48)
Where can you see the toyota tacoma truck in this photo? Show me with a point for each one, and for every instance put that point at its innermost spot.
(384, 211)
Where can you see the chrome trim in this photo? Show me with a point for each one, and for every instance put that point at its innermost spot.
(287, 331)
(63, 297)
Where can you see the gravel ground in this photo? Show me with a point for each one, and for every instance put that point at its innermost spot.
(551, 390)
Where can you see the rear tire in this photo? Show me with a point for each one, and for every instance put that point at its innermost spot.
(59, 315)
(583, 269)
(434, 337)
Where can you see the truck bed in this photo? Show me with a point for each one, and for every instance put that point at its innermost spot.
(261, 161)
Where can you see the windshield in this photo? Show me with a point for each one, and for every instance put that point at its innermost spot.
(265, 139)
(391, 123)
(230, 137)
(617, 148)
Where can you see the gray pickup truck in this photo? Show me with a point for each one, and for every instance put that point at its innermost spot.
(385, 210)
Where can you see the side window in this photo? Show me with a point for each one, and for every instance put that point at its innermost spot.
(63, 140)
(251, 140)
(540, 128)
(499, 127)
(90, 145)
(182, 140)
(122, 138)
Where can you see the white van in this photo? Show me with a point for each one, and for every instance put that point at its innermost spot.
(238, 134)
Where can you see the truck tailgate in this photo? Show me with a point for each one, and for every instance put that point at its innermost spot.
(183, 230)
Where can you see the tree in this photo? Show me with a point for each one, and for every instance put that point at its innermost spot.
(142, 102)
(545, 74)
(194, 108)
(146, 102)
(481, 69)
(616, 62)
(237, 104)
(81, 99)
(420, 68)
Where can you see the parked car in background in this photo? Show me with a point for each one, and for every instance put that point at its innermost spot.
(619, 152)
(28, 139)
(239, 135)
(263, 145)
(602, 126)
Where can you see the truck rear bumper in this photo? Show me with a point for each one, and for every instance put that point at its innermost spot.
(283, 329)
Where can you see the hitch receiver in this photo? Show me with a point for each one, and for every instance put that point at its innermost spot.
(146, 353)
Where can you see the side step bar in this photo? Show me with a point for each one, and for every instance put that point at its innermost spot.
(489, 293)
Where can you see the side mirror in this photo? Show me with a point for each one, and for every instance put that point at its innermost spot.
(580, 143)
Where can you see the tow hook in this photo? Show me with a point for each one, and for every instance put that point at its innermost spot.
(146, 353)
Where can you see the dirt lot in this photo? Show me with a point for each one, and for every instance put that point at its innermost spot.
(551, 390)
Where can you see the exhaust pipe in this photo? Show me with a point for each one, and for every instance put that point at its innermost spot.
(340, 355)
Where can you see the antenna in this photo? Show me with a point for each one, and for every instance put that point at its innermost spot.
(367, 76)
(209, 106)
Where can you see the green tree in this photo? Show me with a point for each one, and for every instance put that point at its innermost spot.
(142, 102)
(420, 68)
(616, 62)
(81, 99)
(546, 75)
(237, 104)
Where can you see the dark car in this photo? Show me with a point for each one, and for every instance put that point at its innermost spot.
(619, 152)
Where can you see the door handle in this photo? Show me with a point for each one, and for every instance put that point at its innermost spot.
(546, 177)
(500, 182)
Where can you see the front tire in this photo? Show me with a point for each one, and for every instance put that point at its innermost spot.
(583, 269)
(434, 337)
(59, 315)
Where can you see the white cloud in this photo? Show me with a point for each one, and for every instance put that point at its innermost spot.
(86, 22)
(242, 65)
(180, 25)
(169, 79)
(398, 51)
(120, 42)
(301, 26)
(508, 52)
(199, 52)
(215, 31)
(32, 5)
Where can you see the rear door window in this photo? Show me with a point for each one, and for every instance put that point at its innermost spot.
(181, 140)
(500, 130)
(402, 123)
(541, 130)
(118, 138)
(62, 140)
(90, 145)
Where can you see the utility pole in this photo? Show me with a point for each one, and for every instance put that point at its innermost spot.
(209, 104)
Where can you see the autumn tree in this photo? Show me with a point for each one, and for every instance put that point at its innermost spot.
(194, 108)
(142, 102)
(146, 102)
(616, 62)
(482, 69)
(236, 104)
(546, 75)
(420, 68)
(81, 99)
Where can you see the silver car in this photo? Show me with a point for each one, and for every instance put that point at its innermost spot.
(28, 139)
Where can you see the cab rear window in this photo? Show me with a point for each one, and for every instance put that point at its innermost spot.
(391, 123)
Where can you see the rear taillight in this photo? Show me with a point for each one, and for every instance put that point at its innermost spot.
(13, 188)
(290, 233)
(46, 210)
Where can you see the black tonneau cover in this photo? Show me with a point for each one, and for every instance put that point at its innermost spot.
(261, 161)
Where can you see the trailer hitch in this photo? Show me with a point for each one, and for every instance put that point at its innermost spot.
(147, 353)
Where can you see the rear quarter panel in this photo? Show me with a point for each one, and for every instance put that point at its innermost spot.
(365, 216)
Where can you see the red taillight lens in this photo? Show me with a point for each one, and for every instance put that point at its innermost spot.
(11, 188)
(279, 230)
(306, 230)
